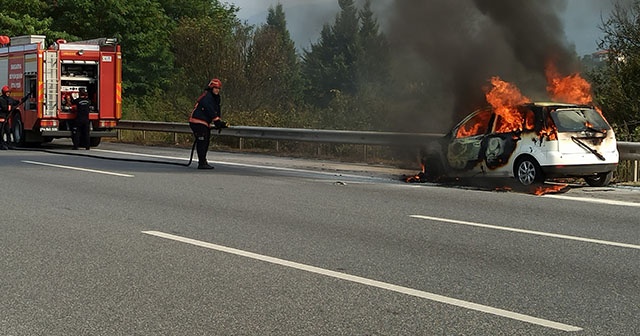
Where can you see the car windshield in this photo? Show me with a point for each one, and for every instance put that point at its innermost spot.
(577, 120)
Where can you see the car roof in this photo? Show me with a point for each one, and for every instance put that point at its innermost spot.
(556, 104)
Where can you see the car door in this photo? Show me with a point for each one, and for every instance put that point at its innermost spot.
(464, 148)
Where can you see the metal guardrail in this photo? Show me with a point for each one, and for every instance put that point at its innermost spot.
(628, 150)
(292, 134)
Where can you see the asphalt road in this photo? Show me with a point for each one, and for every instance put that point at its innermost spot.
(277, 246)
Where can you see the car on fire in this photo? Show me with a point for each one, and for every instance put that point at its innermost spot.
(531, 142)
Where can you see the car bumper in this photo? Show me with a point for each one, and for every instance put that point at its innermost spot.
(578, 170)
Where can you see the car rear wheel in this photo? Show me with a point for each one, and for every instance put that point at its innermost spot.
(527, 171)
(599, 180)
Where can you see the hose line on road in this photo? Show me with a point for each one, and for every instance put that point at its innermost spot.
(108, 158)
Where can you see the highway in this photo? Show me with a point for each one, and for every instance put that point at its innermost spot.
(96, 243)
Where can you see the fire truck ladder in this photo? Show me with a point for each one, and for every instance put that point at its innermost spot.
(51, 83)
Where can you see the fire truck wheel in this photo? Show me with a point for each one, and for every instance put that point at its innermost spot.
(17, 131)
(94, 142)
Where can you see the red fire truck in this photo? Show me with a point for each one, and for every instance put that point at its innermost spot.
(51, 74)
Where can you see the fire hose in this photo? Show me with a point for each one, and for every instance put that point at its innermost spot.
(193, 147)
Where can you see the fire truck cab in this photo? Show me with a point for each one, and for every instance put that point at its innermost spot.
(49, 75)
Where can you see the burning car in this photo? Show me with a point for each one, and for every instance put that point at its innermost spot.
(528, 141)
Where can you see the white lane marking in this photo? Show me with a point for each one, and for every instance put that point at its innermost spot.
(538, 233)
(234, 164)
(594, 200)
(77, 168)
(372, 283)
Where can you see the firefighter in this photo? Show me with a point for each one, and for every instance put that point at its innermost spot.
(80, 127)
(7, 105)
(206, 112)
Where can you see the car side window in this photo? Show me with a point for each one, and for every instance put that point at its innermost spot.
(476, 125)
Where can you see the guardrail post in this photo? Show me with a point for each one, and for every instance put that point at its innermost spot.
(364, 149)
(635, 171)
(241, 143)
(175, 138)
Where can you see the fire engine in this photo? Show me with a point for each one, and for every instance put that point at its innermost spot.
(51, 74)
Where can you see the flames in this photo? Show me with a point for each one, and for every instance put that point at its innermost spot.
(570, 89)
(505, 98)
(574, 89)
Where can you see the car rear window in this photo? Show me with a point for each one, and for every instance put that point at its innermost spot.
(577, 120)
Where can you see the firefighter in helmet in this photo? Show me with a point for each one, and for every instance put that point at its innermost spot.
(7, 106)
(80, 126)
(205, 113)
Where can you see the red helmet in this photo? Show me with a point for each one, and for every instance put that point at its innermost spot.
(215, 83)
(5, 89)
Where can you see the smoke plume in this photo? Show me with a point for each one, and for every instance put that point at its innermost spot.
(448, 50)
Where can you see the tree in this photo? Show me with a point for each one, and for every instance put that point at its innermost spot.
(142, 28)
(273, 67)
(374, 65)
(28, 17)
(208, 47)
(617, 83)
(331, 64)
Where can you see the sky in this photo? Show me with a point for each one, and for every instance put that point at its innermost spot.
(582, 18)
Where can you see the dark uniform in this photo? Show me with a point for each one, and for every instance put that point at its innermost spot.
(7, 104)
(206, 111)
(80, 128)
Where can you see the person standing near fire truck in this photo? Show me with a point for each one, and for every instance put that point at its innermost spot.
(206, 112)
(7, 105)
(80, 127)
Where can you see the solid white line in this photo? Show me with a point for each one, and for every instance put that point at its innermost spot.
(245, 165)
(372, 283)
(77, 168)
(594, 200)
(538, 233)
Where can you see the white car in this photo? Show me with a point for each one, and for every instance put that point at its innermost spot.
(531, 142)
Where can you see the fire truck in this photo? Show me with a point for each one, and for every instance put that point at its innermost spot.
(51, 74)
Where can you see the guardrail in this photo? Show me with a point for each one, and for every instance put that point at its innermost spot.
(628, 150)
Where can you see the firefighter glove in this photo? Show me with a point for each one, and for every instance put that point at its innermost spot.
(220, 124)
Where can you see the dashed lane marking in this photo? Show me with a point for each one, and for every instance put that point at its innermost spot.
(77, 168)
(372, 283)
(538, 233)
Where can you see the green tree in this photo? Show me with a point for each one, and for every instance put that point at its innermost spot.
(209, 47)
(142, 28)
(28, 17)
(617, 83)
(374, 64)
(273, 67)
(331, 65)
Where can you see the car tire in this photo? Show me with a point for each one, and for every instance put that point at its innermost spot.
(433, 169)
(527, 171)
(599, 180)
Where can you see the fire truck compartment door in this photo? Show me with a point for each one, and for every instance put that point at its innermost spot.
(107, 89)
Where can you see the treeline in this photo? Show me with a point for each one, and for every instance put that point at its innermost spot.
(347, 79)
(172, 48)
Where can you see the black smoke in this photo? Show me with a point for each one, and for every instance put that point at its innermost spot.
(446, 52)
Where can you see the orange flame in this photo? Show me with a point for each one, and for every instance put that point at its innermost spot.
(570, 89)
(504, 97)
